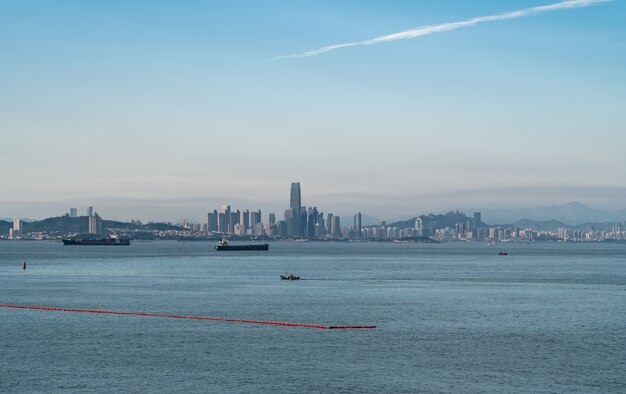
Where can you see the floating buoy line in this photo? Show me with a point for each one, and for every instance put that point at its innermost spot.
(107, 312)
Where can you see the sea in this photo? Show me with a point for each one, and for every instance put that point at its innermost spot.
(450, 318)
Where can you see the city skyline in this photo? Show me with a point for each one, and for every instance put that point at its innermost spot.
(308, 223)
(153, 116)
(300, 221)
(195, 210)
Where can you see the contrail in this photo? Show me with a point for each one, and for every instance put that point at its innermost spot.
(430, 29)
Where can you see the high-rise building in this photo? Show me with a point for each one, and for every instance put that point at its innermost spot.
(461, 230)
(221, 223)
(303, 222)
(295, 204)
(89, 211)
(223, 219)
(329, 224)
(255, 217)
(418, 227)
(244, 220)
(295, 196)
(476, 221)
(272, 219)
(475, 225)
(312, 220)
(256, 224)
(234, 219)
(281, 228)
(336, 227)
(320, 228)
(291, 223)
(357, 224)
(95, 225)
(73, 212)
(212, 221)
(18, 227)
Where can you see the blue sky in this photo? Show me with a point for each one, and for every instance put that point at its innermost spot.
(177, 105)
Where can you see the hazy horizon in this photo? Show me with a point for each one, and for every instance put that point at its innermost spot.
(385, 207)
(164, 110)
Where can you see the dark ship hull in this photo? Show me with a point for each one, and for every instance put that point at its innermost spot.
(242, 247)
(96, 242)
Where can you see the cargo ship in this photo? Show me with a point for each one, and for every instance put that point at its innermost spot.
(223, 245)
(110, 241)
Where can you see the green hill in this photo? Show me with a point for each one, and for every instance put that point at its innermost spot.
(5, 226)
(433, 221)
(65, 224)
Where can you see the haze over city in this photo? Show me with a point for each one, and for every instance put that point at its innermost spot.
(163, 111)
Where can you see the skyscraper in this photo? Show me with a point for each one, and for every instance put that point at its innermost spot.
(320, 227)
(212, 221)
(295, 197)
(329, 224)
(477, 221)
(73, 212)
(312, 219)
(223, 219)
(357, 224)
(475, 225)
(255, 222)
(18, 227)
(95, 224)
(335, 227)
(255, 217)
(234, 219)
(291, 222)
(418, 226)
(89, 211)
(244, 220)
(293, 216)
(303, 222)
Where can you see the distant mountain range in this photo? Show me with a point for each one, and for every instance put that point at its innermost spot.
(575, 216)
(11, 220)
(572, 214)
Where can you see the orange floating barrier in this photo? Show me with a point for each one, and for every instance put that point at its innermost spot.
(107, 312)
(349, 327)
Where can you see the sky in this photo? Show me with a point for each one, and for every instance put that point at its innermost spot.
(164, 110)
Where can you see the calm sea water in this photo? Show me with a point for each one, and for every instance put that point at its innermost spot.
(450, 317)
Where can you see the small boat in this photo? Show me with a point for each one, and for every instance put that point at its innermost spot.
(289, 277)
(223, 245)
(24, 265)
(503, 253)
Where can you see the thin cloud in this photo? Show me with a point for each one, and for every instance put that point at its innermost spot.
(431, 29)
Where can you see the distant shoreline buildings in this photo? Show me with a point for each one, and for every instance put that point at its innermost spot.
(310, 223)
(300, 222)
(17, 230)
